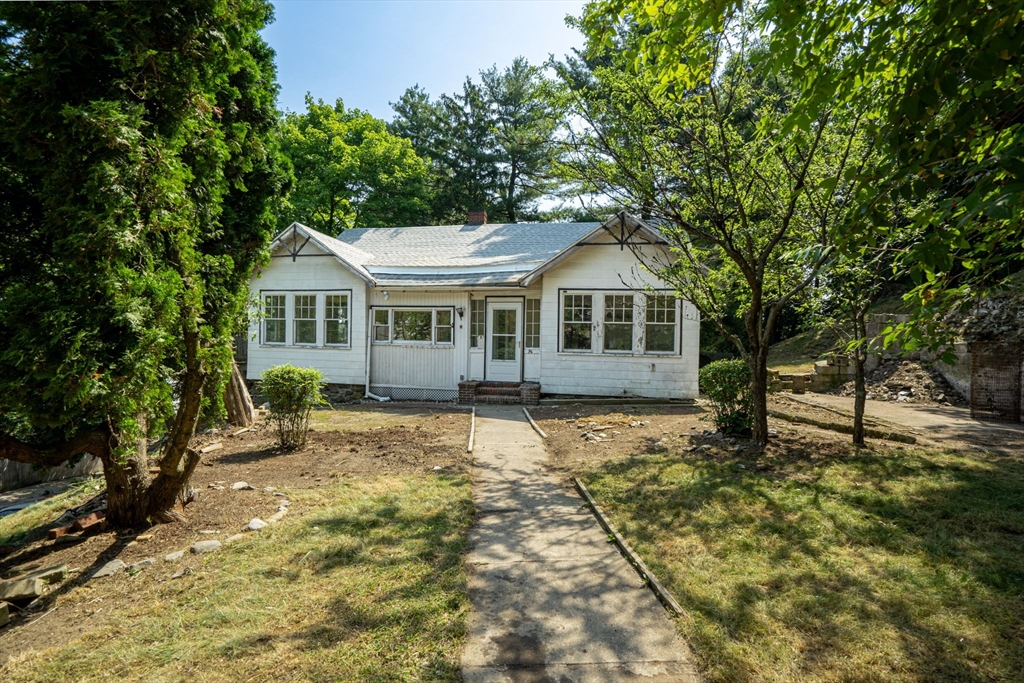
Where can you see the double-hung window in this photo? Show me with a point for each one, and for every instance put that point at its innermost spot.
(305, 319)
(382, 325)
(660, 327)
(336, 319)
(618, 322)
(577, 315)
(274, 320)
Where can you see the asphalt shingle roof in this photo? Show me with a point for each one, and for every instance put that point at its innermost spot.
(461, 246)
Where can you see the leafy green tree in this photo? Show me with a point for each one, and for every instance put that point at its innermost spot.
(140, 175)
(489, 147)
(350, 171)
(750, 213)
(943, 80)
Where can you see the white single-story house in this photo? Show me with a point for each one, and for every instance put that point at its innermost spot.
(492, 309)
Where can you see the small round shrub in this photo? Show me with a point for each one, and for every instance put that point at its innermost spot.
(726, 384)
(293, 393)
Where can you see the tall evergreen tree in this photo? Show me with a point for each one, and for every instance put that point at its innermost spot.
(140, 176)
(489, 147)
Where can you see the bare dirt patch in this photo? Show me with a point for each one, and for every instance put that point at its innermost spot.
(392, 441)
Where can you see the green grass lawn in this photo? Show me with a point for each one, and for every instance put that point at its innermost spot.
(891, 565)
(368, 585)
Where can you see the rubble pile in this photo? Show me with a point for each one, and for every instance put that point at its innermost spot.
(906, 381)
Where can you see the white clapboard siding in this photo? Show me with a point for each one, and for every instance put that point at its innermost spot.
(312, 271)
(602, 269)
(398, 365)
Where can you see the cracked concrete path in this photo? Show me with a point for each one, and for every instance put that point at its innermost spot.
(552, 600)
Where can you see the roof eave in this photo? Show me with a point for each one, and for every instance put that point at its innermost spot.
(652, 234)
(310, 235)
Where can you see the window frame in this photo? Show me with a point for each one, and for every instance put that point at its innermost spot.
(348, 319)
(434, 325)
(674, 325)
(639, 331)
(562, 322)
(529, 336)
(625, 310)
(284, 320)
(477, 323)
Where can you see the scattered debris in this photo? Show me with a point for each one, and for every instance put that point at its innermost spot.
(215, 487)
(242, 486)
(183, 572)
(175, 556)
(906, 381)
(88, 521)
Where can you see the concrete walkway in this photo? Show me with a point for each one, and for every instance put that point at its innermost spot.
(553, 601)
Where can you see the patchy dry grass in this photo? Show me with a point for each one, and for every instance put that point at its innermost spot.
(31, 522)
(368, 585)
(797, 354)
(891, 565)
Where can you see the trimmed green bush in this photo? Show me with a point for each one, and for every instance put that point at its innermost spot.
(726, 384)
(293, 393)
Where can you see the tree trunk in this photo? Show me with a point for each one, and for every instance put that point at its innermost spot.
(860, 394)
(127, 481)
(759, 394)
(237, 400)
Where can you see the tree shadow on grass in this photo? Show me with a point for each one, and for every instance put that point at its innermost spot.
(401, 592)
(827, 552)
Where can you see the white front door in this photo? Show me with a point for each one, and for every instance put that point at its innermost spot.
(504, 341)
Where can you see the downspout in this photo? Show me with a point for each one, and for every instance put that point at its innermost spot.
(369, 345)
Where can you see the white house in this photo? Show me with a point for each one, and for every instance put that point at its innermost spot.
(418, 312)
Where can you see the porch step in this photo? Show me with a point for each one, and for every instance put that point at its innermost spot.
(496, 391)
(502, 393)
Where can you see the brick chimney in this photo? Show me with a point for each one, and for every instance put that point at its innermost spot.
(477, 218)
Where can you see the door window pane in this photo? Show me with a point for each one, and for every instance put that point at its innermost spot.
(305, 319)
(660, 328)
(577, 312)
(618, 322)
(503, 334)
(274, 322)
(336, 319)
(412, 326)
(531, 323)
(443, 327)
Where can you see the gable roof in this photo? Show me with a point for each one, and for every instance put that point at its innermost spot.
(491, 254)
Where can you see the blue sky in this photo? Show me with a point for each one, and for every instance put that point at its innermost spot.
(367, 52)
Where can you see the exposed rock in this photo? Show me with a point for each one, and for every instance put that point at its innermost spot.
(5, 614)
(242, 486)
(276, 517)
(109, 569)
(906, 381)
(21, 589)
(205, 547)
(255, 524)
(140, 565)
(175, 556)
(54, 574)
(235, 537)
